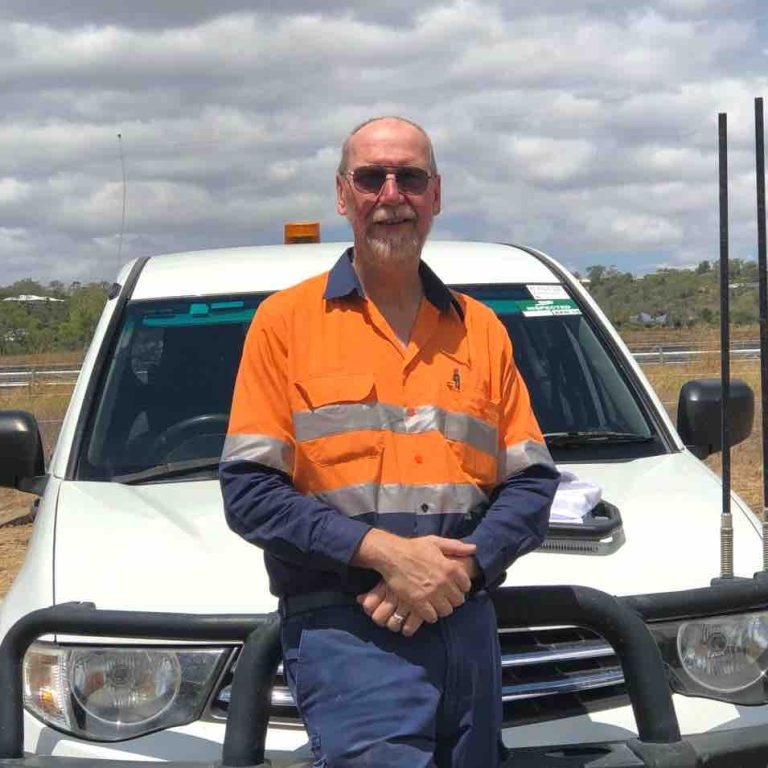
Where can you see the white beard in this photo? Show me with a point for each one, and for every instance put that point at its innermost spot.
(395, 247)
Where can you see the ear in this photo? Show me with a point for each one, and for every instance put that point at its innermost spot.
(437, 196)
(341, 204)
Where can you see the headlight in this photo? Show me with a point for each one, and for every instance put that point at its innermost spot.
(133, 686)
(724, 657)
(726, 654)
(110, 693)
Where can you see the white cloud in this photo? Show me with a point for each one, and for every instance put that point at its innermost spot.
(582, 128)
(547, 160)
(12, 192)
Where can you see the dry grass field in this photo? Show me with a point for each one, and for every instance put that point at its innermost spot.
(48, 403)
(44, 358)
(698, 337)
(747, 458)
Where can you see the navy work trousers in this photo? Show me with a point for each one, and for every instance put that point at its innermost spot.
(370, 697)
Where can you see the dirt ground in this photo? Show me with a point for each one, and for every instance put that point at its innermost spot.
(14, 507)
(48, 403)
(13, 546)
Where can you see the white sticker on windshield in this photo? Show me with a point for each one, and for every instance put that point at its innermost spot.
(548, 307)
(547, 291)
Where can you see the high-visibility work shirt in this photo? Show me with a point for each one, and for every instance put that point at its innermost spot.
(337, 426)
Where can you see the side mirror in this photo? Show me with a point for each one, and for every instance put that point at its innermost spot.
(698, 414)
(21, 451)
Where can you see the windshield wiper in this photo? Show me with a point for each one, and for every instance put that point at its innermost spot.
(568, 439)
(170, 470)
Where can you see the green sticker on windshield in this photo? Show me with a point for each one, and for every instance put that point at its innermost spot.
(533, 307)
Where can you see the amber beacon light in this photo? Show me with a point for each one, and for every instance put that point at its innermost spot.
(302, 232)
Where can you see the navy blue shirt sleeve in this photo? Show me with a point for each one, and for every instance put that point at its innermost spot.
(262, 505)
(516, 522)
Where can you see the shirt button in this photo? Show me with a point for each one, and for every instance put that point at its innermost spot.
(418, 458)
(424, 507)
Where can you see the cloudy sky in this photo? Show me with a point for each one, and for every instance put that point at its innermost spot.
(585, 128)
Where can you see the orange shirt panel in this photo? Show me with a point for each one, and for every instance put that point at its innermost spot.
(306, 356)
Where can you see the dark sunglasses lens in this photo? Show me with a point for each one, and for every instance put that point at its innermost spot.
(413, 180)
(369, 179)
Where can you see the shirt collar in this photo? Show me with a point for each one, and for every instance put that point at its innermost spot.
(343, 281)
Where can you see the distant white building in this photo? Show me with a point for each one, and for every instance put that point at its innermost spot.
(30, 297)
(646, 318)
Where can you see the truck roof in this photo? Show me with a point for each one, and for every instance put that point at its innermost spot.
(273, 267)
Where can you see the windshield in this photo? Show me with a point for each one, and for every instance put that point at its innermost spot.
(574, 383)
(164, 405)
(167, 393)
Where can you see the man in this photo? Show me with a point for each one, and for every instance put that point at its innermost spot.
(376, 414)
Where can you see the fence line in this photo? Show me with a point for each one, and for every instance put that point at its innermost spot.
(54, 374)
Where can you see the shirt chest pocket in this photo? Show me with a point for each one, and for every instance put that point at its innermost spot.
(472, 431)
(337, 419)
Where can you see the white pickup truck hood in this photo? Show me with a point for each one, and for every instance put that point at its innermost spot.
(166, 547)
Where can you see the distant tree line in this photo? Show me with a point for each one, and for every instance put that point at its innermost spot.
(679, 297)
(28, 327)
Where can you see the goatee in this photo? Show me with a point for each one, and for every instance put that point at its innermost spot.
(395, 247)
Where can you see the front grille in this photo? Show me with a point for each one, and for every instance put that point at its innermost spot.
(547, 673)
(282, 700)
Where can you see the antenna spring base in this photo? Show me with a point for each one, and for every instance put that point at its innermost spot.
(726, 546)
(765, 538)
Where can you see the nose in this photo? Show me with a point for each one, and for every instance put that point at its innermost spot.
(390, 192)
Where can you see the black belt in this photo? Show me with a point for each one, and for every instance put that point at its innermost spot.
(310, 601)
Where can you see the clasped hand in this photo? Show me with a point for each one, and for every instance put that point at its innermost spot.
(426, 579)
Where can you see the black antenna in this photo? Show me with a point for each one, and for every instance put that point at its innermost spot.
(726, 522)
(763, 302)
(122, 220)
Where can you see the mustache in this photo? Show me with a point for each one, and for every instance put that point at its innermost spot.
(400, 213)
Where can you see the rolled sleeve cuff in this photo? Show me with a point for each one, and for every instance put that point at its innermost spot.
(515, 523)
(340, 538)
(493, 561)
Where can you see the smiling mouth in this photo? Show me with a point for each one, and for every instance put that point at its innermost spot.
(391, 222)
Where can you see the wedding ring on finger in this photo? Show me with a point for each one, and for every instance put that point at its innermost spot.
(398, 617)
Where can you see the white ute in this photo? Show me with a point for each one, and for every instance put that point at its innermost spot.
(130, 515)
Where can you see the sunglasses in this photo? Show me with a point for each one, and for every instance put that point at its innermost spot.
(369, 179)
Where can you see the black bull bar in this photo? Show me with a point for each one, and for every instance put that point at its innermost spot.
(621, 621)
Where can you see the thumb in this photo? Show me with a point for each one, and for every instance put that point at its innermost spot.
(454, 547)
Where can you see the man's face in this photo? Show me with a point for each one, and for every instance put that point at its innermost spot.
(390, 223)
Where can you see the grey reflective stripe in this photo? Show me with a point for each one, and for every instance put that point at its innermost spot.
(455, 426)
(261, 449)
(352, 417)
(387, 498)
(515, 458)
(336, 419)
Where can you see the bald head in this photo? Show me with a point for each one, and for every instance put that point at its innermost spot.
(371, 125)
